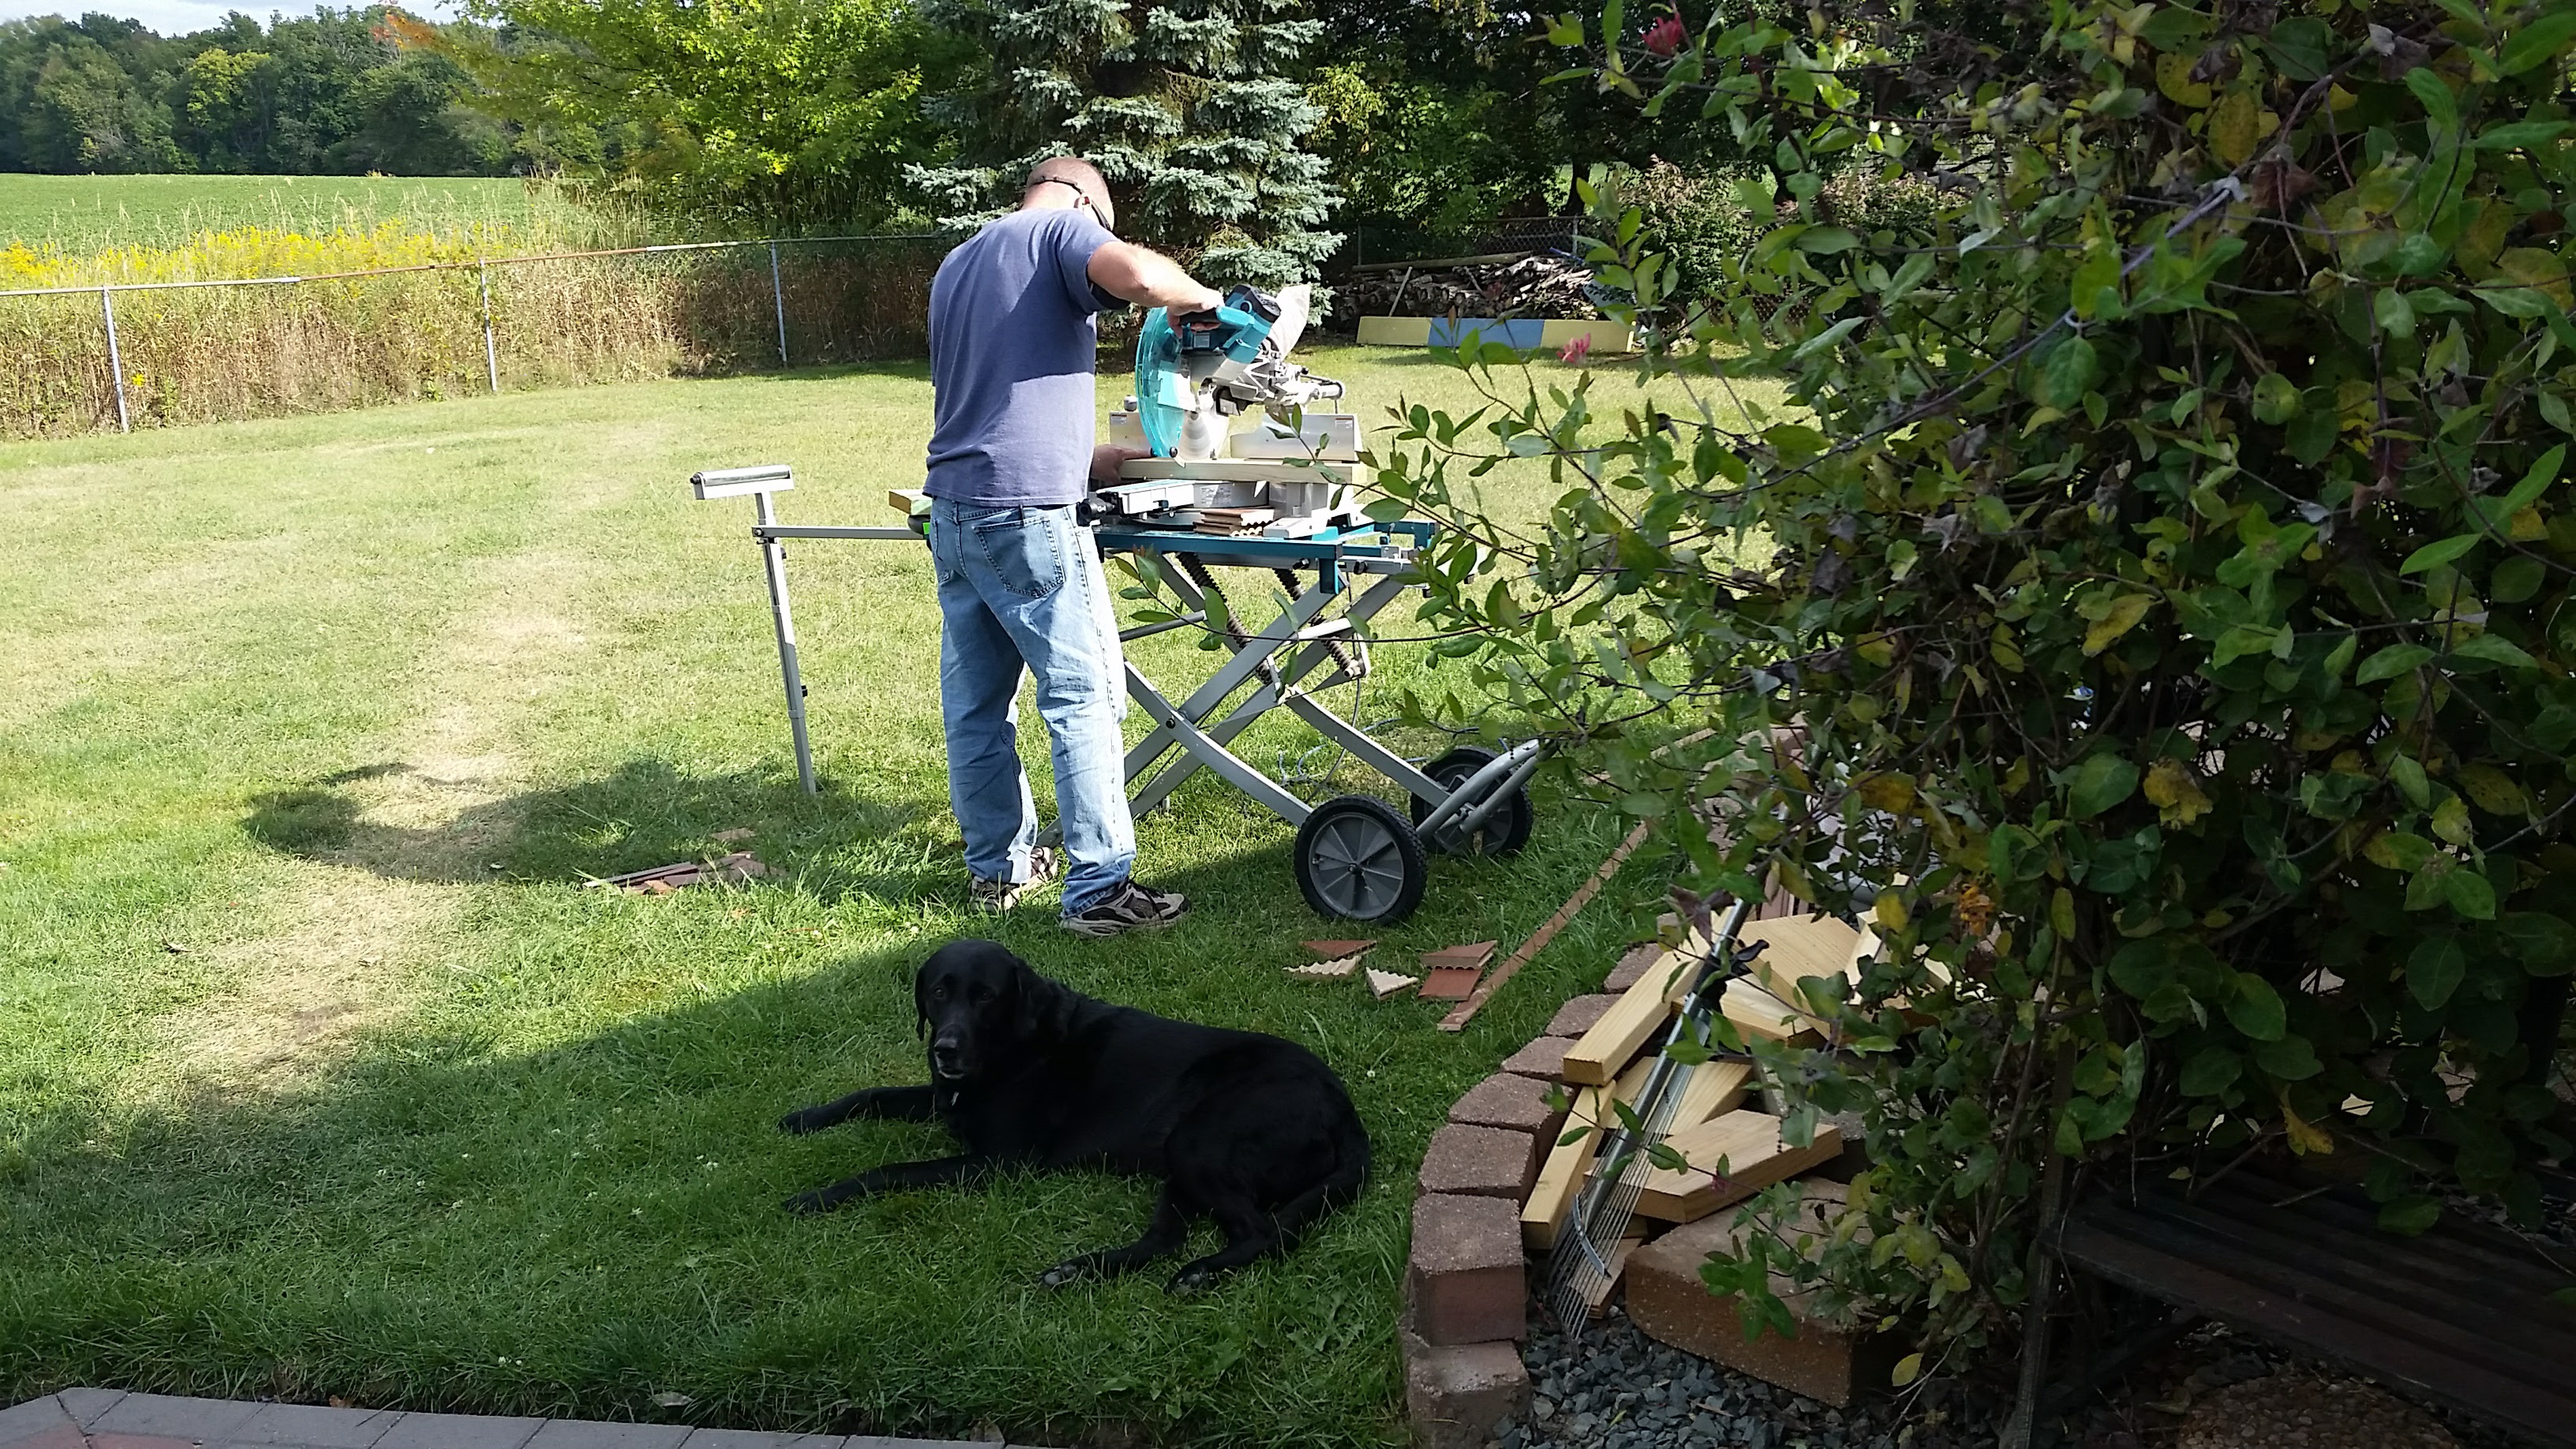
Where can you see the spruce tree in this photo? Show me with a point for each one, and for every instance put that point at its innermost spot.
(1187, 108)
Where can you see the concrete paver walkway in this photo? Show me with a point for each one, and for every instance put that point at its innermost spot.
(114, 1419)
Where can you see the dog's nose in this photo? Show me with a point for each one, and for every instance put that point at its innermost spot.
(947, 1055)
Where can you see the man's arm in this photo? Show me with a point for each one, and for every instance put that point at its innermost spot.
(1149, 279)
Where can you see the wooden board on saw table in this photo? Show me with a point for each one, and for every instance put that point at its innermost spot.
(1749, 1144)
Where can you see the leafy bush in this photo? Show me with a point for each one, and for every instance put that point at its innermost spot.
(2162, 584)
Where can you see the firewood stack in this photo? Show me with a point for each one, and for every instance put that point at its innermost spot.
(1539, 285)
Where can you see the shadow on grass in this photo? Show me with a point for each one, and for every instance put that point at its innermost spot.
(591, 1227)
(643, 813)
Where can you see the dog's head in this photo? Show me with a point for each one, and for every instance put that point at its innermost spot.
(978, 1003)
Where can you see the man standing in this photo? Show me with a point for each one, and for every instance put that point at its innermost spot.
(1013, 334)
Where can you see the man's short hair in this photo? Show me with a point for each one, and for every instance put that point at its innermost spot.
(1073, 171)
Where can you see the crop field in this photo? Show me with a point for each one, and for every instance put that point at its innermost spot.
(77, 215)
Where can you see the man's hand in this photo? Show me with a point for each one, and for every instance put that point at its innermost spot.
(1106, 458)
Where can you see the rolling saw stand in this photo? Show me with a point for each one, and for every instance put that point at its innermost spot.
(1356, 857)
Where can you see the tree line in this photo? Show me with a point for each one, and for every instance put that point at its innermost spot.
(1263, 131)
(336, 92)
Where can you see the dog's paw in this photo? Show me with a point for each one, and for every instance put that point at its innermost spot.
(800, 1122)
(1065, 1274)
(1190, 1280)
(808, 1204)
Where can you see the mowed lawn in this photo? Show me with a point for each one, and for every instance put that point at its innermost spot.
(321, 1075)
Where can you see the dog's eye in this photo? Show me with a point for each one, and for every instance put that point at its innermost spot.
(983, 994)
(939, 993)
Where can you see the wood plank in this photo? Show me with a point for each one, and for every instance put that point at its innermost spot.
(2100, 1240)
(1800, 947)
(1560, 1178)
(1762, 1014)
(1569, 1164)
(1755, 1157)
(1713, 1088)
(1626, 1027)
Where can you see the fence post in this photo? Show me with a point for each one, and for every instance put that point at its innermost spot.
(491, 358)
(778, 299)
(115, 363)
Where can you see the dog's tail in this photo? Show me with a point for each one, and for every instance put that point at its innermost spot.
(1339, 1187)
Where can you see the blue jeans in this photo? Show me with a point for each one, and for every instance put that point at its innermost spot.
(1024, 587)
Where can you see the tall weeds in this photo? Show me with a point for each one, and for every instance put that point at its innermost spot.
(207, 354)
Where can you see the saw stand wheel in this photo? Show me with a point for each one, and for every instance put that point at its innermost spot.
(1359, 859)
(1505, 830)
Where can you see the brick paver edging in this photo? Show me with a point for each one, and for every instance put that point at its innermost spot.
(114, 1419)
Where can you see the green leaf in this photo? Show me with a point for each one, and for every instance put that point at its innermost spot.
(2211, 1070)
(2434, 555)
(2312, 435)
(2398, 850)
(1826, 241)
(2545, 944)
(2435, 968)
(2537, 42)
(1907, 1370)
(2439, 105)
(2066, 373)
(2494, 650)
(2390, 662)
(2408, 772)
(2102, 781)
(2256, 1009)
(2410, 1214)
(2276, 398)
(2517, 579)
(2470, 894)
(2291, 1059)
(2519, 133)
(2544, 471)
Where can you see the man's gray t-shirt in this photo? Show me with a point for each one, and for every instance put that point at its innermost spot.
(1013, 333)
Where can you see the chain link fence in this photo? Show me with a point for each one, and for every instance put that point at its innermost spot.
(121, 356)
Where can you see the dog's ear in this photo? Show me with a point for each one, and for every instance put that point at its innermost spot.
(1040, 1001)
(920, 1008)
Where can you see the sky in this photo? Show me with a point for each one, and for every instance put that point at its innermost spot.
(178, 17)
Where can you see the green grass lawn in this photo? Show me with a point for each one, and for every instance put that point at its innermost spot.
(82, 214)
(320, 1075)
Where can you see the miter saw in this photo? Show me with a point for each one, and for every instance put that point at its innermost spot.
(1286, 475)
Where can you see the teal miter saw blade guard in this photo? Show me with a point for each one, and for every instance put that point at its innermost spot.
(1173, 359)
(1163, 391)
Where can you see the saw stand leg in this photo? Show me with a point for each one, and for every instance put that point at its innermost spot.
(1205, 747)
(773, 557)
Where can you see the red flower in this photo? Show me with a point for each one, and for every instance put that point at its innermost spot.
(1575, 351)
(1666, 36)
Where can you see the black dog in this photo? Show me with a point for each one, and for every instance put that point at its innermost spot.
(1250, 1130)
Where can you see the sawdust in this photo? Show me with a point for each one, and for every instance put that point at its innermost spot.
(373, 912)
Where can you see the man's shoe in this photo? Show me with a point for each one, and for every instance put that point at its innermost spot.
(1130, 907)
(993, 897)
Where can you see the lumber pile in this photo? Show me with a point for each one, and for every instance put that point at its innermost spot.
(1733, 1148)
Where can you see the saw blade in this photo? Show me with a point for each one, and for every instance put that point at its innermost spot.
(1165, 399)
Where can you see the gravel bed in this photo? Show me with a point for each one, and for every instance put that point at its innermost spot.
(1615, 1388)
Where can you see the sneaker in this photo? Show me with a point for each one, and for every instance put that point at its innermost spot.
(1130, 907)
(993, 897)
